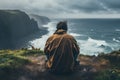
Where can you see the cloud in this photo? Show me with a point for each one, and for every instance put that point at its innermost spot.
(114, 4)
(58, 8)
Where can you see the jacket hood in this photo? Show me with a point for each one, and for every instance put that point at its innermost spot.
(60, 31)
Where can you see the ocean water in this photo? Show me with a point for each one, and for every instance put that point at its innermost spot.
(94, 36)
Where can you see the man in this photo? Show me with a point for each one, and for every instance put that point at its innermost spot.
(61, 50)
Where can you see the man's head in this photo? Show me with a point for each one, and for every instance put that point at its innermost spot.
(62, 25)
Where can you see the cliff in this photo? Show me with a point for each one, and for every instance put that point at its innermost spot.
(14, 26)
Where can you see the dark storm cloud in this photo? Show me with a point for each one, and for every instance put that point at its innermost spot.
(113, 4)
(92, 6)
(86, 5)
(57, 7)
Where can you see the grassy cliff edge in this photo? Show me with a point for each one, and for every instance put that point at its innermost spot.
(30, 63)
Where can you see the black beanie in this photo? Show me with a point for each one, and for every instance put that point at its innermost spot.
(62, 25)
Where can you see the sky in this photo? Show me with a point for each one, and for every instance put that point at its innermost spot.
(66, 8)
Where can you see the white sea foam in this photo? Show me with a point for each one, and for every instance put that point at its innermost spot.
(75, 34)
(92, 46)
(40, 42)
(97, 42)
(114, 39)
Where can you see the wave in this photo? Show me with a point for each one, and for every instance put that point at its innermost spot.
(117, 29)
(114, 39)
(97, 42)
(75, 34)
(93, 47)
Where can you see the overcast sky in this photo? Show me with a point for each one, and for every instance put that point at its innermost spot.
(66, 8)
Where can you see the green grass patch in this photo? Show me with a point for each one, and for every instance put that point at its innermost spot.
(12, 62)
(16, 58)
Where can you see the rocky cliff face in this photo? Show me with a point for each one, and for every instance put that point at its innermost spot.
(15, 25)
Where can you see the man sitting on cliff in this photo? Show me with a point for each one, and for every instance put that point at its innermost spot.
(61, 50)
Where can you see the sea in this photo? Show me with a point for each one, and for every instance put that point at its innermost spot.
(94, 36)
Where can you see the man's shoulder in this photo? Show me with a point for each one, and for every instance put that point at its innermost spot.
(68, 36)
(50, 37)
(58, 36)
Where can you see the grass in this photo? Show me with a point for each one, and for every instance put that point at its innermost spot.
(12, 62)
(16, 58)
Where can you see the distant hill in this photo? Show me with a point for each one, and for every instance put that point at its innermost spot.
(15, 25)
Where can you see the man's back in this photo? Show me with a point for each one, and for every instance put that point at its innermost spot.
(60, 50)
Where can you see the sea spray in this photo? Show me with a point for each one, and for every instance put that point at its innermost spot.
(40, 42)
(93, 47)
